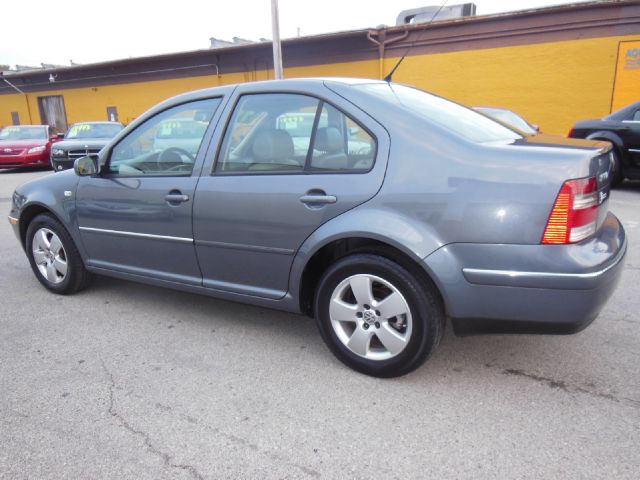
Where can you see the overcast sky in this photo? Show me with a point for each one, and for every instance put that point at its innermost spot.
(35, 31)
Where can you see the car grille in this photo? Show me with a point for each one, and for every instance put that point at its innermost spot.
(73, 154)
(12, 152)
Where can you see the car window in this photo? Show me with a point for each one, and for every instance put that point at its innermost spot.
(93, 130)
(636, 116)
(279, 132)
(167, 143)
(268, 133)
(341, 144)
(23, 133)
(460, 120)
(508, 117)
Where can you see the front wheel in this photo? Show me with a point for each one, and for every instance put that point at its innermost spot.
(53, 256)
(376, 316)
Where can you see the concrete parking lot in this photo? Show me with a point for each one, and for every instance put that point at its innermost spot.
(130, 381)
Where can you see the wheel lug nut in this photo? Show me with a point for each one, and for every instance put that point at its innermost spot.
(366, 307)
(377, 324)
(359, 314)
(366, 326)
(378, 312)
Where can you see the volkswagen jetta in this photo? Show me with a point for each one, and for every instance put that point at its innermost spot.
(388, 212)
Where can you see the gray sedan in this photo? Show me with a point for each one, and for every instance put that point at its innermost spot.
(440, 212)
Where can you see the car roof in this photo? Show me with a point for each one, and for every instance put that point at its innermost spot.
(265, 85)
(289, 82)
(623, 112)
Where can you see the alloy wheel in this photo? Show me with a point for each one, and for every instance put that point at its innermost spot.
(370, 317)
(49, 255)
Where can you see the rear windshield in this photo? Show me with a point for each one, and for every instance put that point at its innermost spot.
(454, 117)
(23, 133)
(94, 130)
(508, 117)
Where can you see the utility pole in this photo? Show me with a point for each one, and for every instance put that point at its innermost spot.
(275, 33)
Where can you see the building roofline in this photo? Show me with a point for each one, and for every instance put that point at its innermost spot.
(577, 21)
(322, 36)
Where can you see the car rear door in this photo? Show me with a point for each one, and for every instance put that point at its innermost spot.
(136, 217)
(266, 188)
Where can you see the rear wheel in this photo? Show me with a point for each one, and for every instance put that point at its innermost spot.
(53, 256)
(376, 316)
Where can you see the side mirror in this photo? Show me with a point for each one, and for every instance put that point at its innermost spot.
(85, 166)
(536, 127)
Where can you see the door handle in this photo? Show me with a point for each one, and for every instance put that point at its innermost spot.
(318, 199)
(176, 198)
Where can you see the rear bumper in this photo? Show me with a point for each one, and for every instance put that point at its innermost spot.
(554, 289)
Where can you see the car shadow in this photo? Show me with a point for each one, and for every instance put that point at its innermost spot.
(629, 186)
(25, 169)
(454, 355)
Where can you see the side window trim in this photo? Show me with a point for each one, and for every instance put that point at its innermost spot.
(312, 140)
(201, 151)
(307, 167)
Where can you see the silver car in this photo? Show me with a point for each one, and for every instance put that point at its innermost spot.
(439, 213)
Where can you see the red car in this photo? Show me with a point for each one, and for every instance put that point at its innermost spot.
(26, 146)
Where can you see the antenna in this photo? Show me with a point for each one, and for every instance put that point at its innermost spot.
(388, 77)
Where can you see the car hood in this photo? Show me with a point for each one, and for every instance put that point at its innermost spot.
(21, 144)
(91, 143)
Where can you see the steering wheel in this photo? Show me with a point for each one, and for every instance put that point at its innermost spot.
(175, 150)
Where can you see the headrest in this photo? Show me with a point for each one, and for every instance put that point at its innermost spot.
(272, 145)
(329, 140)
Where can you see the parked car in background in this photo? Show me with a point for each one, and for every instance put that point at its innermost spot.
(509, 118)
(83, 138)
(622, 129)
(26, 145)
(439, 212)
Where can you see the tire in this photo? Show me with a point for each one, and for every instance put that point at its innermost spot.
(617, 175)
(53, 256)
(365, 333)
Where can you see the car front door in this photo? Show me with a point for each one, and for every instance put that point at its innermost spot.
(287, 163)
(135, 217)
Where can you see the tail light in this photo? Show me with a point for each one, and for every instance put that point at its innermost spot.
(575, 212)
(570, 134)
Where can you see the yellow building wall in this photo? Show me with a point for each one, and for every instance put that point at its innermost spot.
(552, 84)
(627, 83)
(131, 99)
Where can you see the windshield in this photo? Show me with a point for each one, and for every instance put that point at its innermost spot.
(93, 130)
(23, 133)
(182, 128)
(508, 117)
(460, 120)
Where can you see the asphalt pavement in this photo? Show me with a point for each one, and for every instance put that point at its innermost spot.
(127, 381)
